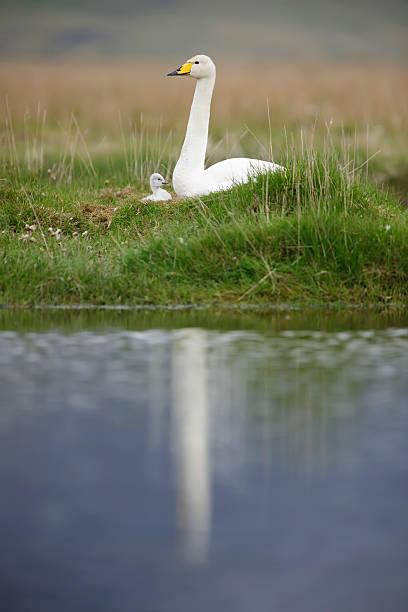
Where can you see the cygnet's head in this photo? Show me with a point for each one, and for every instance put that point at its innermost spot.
(198, 66)
(156, 181)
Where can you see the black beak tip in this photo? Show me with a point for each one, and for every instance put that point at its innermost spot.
(174, 73)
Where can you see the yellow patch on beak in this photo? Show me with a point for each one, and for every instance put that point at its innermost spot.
(185, 68)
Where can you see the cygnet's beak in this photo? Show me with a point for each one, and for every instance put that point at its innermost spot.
(183, 70)
(165, 182)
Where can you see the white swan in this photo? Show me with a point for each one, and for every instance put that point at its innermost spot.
(159, 194)
(189, 176)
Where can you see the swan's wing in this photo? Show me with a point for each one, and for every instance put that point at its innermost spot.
(237, 170)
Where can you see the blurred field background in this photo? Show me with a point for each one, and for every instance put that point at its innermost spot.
(288, 73)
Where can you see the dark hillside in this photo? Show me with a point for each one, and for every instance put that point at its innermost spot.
(274, 29)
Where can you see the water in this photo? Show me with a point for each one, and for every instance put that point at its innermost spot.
(196, 461)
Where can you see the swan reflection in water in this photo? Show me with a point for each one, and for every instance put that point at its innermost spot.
(288, 448)
(190, 425)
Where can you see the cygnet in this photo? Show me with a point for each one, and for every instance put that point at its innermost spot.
(159, 194)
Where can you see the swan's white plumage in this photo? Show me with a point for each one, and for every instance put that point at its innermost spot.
(158, 193)
(189, 177)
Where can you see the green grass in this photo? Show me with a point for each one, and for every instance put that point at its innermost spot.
(321, 233)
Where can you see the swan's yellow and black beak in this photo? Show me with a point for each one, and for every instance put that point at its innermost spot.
(184, 70)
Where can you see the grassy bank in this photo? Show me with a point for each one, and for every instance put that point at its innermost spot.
(322, 233)
(77, 146)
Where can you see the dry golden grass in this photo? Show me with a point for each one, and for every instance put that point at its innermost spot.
(97, 94)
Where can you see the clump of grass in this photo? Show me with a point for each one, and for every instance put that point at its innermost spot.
(283, 259)
(317, 232)
(320, 232)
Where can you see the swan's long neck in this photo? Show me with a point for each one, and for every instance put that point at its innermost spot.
(192, 154)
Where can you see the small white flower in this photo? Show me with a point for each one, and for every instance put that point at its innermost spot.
(75, 234)
(387, 228)
(181, 240)
(85, 233)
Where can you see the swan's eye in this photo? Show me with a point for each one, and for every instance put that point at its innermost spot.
(196, 62)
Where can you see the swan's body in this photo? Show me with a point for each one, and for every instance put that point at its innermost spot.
(158, 194)
(189, 176)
